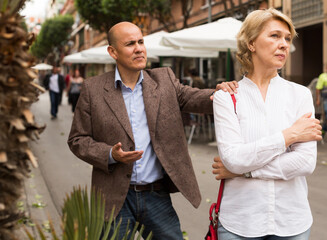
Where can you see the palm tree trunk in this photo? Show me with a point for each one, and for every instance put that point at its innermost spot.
(17, 126)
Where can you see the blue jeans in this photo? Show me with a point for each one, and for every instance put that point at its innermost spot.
(224, 234)
(54, 99)
(154, 210)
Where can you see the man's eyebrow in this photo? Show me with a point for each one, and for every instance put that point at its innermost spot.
(134, 41)
(129, 42)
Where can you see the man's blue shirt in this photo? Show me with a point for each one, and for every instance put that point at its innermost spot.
(147, 169)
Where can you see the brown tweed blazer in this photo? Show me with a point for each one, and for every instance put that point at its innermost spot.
(101, 120)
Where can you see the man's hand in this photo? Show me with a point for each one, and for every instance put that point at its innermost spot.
(125, 157)
(305, 129)
(220, 170)
(230, 87)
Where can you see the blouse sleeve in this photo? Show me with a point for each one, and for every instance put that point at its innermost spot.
(237, 156)
(299, 159)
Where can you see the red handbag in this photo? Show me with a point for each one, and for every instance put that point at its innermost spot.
(213, 214)
(214, 209)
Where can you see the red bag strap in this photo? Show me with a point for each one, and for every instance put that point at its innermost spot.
(222, 182)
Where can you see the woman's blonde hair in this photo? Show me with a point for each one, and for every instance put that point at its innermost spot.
(250, 30)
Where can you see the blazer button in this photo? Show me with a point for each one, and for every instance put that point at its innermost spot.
(128, 175)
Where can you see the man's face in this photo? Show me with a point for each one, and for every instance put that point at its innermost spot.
(54, 70)
(128, 48)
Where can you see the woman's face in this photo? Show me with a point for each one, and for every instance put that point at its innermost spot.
(271, 48)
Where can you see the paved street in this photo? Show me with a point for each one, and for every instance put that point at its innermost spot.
(60, 170)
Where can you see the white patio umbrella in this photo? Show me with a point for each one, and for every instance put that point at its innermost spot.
(79, 58)
(218, 36)
(101, 52)
(153, 46)
(42, 66)
(155, 49)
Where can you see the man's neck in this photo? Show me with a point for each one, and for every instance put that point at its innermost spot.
(129, 78)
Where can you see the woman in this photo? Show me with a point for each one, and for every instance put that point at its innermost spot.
(74, 88)
(267, 146)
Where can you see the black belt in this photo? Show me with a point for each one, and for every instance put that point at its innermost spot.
(155, 186)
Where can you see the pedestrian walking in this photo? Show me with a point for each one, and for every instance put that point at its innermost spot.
(67, 81)
(74, 88)
(55, 83)
(128, 125)
(268, 146)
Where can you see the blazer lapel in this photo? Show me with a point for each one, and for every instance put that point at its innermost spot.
(151, 98)
(114, 98)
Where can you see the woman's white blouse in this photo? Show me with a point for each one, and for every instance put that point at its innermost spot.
(275, 200)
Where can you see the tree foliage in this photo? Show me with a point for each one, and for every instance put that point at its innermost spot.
(103, 14)
(54, 33)
(124, 10)
(93, 13)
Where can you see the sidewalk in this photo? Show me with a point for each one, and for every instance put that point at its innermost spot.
(60, 170)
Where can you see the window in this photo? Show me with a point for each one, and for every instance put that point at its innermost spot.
(303, 11)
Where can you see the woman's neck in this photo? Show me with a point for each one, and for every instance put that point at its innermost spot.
(262, 80)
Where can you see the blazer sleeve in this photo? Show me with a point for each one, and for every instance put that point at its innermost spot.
(191, 99)
(80, 140)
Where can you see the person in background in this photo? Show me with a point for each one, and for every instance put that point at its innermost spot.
(198, 82)
(55, 83)
(67, 80)
(268, 145)
(128, 125)
(61, 76)
(74, 88)
(321, 96)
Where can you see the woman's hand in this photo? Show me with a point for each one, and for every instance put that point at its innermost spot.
(305, 129)
(220, 170)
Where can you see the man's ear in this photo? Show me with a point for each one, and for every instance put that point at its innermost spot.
(112, 52)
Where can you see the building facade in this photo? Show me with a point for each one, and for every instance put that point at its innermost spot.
(310, 57)
(305, 64)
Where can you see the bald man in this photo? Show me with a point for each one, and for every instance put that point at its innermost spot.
(128, 125)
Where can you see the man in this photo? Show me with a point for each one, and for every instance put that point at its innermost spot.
(321, 93)
(55, 83)
(128, 125)
(61, 76)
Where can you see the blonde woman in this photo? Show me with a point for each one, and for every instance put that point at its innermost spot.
(268, 146)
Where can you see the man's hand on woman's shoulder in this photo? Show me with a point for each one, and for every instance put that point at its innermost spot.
(230, 87)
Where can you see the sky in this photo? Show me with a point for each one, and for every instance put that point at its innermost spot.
(35, 8)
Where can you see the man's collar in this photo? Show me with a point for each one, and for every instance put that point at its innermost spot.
(119, 81)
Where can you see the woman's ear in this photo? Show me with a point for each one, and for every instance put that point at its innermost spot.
(251, 46)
